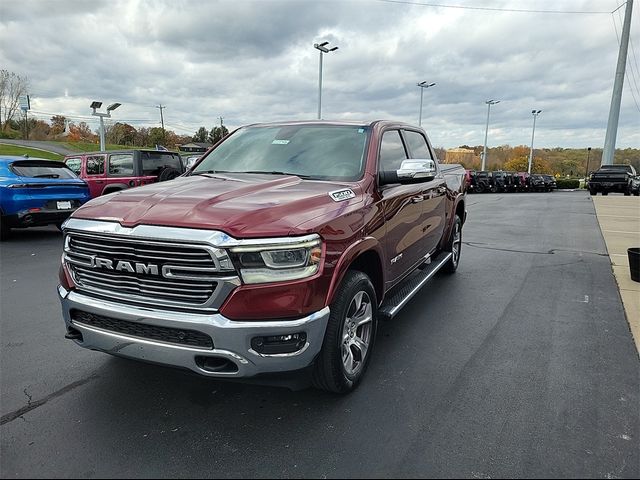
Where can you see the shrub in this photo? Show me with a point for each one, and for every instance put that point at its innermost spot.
(565, 183)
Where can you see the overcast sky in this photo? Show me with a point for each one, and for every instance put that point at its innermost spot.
(255, 62)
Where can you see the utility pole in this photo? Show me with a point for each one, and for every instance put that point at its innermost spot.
(164, 135)
(614, 112)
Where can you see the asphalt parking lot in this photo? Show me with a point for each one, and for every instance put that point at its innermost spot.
(520, 365)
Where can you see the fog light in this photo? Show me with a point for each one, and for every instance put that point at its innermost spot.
(279, 344)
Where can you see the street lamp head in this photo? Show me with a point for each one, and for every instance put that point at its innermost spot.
(323, 47)
(333, 49)
(113, 106)
(322, 44)
(536, 112)
(95, 105)
(492, 102)
(424, 84)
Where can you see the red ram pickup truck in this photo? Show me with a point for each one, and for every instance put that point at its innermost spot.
(278, 252)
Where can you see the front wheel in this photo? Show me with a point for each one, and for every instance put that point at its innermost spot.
(605, 193)
(350, 335)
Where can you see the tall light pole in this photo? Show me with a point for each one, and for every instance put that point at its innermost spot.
(486, 132)
(322, 47)
(95, 105)
(586, 171)
(422, 86)
(535, 114)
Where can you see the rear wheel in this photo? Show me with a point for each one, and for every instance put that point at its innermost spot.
(350, 335)
(593, 192)
(455, 247)
(604, 192)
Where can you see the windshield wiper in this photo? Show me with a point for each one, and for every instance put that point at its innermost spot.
(274, 172)
(205, 172)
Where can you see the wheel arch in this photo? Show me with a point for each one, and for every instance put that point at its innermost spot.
(365, 256)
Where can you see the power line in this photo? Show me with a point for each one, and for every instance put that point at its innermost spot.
(494, 9)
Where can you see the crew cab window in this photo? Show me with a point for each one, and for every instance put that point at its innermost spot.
(154, 162)
(121, 165)
(417, 145)
(74, 164)
(95, 165)
(392, 151)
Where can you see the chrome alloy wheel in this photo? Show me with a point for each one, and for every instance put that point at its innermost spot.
(456, 246)
(356, 333)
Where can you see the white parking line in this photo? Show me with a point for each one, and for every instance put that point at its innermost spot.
(618, 231)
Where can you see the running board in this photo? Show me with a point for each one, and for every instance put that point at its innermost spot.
(409, 288)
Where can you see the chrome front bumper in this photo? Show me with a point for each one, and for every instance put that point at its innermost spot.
(231, 339)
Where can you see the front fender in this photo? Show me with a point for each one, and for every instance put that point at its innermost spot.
(346, 260)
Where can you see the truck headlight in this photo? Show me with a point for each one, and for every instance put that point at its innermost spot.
(278, 262)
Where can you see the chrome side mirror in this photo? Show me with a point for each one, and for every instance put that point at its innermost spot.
(417, 169)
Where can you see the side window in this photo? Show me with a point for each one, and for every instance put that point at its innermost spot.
(417, 145)
(121, 165)
(74, 164)
(392, 151)
(95, 165)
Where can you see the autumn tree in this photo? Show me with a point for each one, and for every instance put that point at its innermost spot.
(81, 133)
(12, 87)
(121, 134)
(57, 124)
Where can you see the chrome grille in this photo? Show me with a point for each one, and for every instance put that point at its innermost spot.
(149, 271)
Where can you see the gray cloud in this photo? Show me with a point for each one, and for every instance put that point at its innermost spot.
(254, 61)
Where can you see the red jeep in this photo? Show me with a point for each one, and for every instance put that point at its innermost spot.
(108, 172)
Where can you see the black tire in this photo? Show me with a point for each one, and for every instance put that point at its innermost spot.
(168, 173)
(494, 189)
(5, 231)
(479, 189)
(329, 371)
(454, 245)
(593, 192)
(627, 193)
(636, 193)
(605, 193)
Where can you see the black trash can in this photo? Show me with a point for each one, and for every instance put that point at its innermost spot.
(634, 263)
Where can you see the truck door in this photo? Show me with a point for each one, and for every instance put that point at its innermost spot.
(435, 202)
(120, 173)
(95, 174)
(403, 211)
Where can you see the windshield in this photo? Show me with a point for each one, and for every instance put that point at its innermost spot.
(43, 169)
(154, 162)
(309, 151)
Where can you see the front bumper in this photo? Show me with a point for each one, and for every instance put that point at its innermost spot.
(231, 339)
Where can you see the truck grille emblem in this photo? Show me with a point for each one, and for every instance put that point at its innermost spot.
(125, 266)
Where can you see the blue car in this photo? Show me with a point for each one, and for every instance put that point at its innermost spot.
(35, 192)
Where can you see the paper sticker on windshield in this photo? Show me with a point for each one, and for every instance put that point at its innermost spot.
(280, 142)
(340, 195)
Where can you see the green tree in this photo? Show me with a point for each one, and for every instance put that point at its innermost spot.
(156, 136)
(201, 135)
(218, 133)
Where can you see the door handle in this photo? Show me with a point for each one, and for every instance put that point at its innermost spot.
(417, 199)
(99, 181)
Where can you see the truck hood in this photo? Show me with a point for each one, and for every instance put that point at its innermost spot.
(242, 205)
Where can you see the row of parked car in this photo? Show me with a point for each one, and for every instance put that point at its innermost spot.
(36, 192)
(500, 181)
